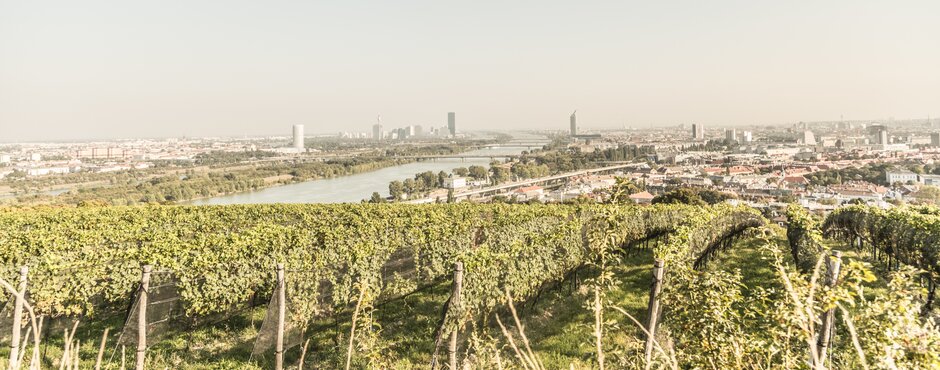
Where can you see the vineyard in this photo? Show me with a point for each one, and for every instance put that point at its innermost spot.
(320, 278)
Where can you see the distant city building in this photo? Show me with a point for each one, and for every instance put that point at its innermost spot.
(879, 134)
(901, 177)
(698, 132)
(574, 123)
(747, 136)
(452, 123)
(731, 134)
(935, 139)
(883, 137)
(455, 182)
(377, 131)
(299, 137)
(809, 138)
(5, 158)
(35, 157)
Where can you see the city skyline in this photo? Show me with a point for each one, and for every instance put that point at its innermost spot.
(103, 69)
(560, 127)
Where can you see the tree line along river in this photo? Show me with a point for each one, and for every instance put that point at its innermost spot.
(355, 188)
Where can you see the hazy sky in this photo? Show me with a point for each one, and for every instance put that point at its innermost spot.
(93, 69)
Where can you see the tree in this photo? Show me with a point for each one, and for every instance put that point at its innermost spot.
(411, 186)
(620, 192)
(376, 198)
(461, 171)
(450, 196)
(477, 172)
(426, 180)
(396, 188)
(441, 178)
(714, 197)
(500, 174)
(927, 194)
(680, 196)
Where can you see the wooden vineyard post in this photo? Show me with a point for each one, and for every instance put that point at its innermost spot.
(281, 312)
(18, 319)
(653, 309)
(458, 285)
(142, 317)
(100, 357)
(833, 264)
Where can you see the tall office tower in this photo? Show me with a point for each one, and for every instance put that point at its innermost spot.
(452, 123)
(747, 136)
(882, 137)
(299, 137)
(377, 132)
(731, 134)
(574, 123)
(935, 139)
(809, 138)
(698, 132)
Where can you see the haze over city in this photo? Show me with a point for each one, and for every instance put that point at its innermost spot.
(99, 69)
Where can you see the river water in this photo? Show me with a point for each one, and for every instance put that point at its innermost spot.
(356, 187)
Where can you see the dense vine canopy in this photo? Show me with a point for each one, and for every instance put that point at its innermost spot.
(223, 255)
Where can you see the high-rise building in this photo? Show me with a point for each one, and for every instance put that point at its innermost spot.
(935, 139)
(731, 134)
(452, 123)
(747, 136)
(377, 131)
(574, 123)
(882, 137)
(879, 134)
(809, 138)
(299, 137)
(698, 132)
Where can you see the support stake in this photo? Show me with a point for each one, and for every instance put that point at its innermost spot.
(142, 317)
(833, 266)
(458, 285)
(281, 312)
(653, 309)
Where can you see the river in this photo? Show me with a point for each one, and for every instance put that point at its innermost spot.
(354, 188)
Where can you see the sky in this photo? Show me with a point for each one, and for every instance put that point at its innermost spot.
(72, 70)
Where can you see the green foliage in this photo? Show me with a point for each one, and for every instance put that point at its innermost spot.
(692, 196)
(873, 173)
(927, 194)
(804, 237)
(908, 235)
(620, 192)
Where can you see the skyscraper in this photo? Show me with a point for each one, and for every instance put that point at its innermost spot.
(731, 134)
(574, 123)
(377, 132)
(452, 123)
(809, 138)
(935, 139)
(698, 132)
(299, 137)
